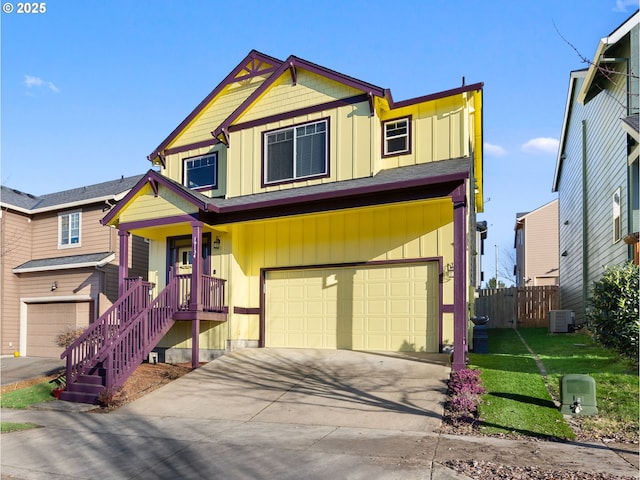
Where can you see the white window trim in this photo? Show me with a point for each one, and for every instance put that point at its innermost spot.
(70, 245)
(406, 135)
(215, 171)
(293, 128)
(616, 215)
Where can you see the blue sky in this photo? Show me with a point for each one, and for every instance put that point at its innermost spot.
(91, 87)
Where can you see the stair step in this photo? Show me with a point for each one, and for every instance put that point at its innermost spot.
(79, 397)
(90, 379)
(85, 388)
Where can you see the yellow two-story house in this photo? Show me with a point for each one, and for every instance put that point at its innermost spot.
(299, 207)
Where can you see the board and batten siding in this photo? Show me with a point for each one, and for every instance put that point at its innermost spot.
(360, 235)
(606, 168)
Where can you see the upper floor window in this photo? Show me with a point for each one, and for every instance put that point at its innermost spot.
(296, 152)
(617, 227)
(69, 229)
(201, 172)
(397, 136)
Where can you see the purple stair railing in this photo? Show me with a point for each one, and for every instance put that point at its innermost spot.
(141, 336)
(110, 350)
(82, 355)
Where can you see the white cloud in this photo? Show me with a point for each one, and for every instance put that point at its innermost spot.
(494, 150)
(541, 145)
(36, 82)
(621, 5)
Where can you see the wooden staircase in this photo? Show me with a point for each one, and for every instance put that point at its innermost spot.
(108, 352)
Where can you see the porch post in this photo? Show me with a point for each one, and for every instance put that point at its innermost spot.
(459, 278)
(195, 305)
(123, 260)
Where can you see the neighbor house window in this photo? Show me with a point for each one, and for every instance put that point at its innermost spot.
(616, 216)
(296, 153)
(69, 229)
(397, 136)
(201, 172)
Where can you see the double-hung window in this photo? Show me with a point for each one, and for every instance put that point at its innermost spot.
(397, 136)
(69, 229)
(201, 172)
(296, 153)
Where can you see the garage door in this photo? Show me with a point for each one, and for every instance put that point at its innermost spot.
(46, 320)
(382, 308)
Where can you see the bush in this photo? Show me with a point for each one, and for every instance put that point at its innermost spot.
(68, 336)
(613, 314)
(465, 388)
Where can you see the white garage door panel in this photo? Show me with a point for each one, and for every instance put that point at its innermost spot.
(389, 308)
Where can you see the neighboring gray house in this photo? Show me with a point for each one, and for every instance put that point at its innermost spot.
(596, 173)
(536, 244)
(58, 264)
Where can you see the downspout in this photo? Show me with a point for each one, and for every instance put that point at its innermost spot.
(585, 217)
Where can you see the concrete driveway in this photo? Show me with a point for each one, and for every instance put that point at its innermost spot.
(337, 388)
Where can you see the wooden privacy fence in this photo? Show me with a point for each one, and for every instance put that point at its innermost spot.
(520, 307)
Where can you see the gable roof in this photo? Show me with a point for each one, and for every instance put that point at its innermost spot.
(603, 45)
(573, 79)
(31, 204)
(259, 64)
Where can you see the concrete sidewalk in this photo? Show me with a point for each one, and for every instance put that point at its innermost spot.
(289, 414)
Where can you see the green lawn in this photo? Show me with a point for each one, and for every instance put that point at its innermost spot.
(24, 397)
(518, 400)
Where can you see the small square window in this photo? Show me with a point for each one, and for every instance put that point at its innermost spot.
(201, 172)
(397, 136)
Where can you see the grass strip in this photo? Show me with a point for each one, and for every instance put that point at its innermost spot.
(38, 393)
(8, 427)
(617, 388)
(517, 400)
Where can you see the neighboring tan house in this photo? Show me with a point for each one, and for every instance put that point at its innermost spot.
(58, 264)
(536, 244)
(596, 173)
(299, 207)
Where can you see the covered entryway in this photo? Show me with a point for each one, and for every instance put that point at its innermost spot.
(381, 307)
(46, 320)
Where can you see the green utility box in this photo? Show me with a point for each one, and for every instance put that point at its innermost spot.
(578, 395)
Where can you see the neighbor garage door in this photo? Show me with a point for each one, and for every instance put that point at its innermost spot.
(46, 320)
(385, 308)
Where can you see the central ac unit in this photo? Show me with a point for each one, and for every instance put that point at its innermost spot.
(562, 321)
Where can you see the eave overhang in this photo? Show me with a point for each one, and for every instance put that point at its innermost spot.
(603, 45)
(573, 79)
(66, 263)
(435, 180)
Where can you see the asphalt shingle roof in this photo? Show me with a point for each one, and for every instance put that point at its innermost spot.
(72, 261)
(27, 201)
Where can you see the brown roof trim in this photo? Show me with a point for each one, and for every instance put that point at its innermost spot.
(254, 58)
